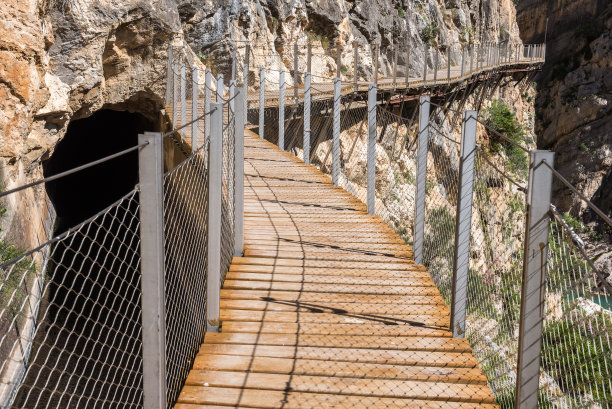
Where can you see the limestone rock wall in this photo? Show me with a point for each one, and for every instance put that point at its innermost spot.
(574, 99)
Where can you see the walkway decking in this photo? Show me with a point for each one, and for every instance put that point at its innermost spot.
(326, 309)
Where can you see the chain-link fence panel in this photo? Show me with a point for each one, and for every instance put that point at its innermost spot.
(186, 244)
(576, 363)
(71, 316)
(227, 190)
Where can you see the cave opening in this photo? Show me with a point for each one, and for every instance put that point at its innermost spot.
(91, 305)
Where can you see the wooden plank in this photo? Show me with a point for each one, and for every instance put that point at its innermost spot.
(403, 299)
(422, 281)
(427, 358)
(388, 388)
(430, 289)
(343, 341)
(419, 319)
(393, 264)
(340, 369)
(235, 397)
(336, 329)
(352, 308)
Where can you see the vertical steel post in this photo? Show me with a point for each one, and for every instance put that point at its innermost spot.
(281, 110)
(448, 64)
(355, 65)
(472, 59)
(220, 88)
(375, 79)
(151, 169)
(535, 254)
(336, 133)
(338, 60)
(262, 90)
(421, 179)
(371, 152)
(295, 73)
(194, 108)
(239, 121)
(175, 95)
(425, 63)
(307, 119)
(234, 63)
(215, 181)
(207, 98)
(232, 93)
(462, 62)
(395, 55)
(309, 58)
(245, 73)
(183, 98)
(436, 61)
(461, 259)
(407, 66)
(169, 76)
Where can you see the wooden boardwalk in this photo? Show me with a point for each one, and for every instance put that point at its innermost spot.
(326, 309)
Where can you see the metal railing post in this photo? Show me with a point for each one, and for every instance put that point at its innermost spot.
(535, 254)
(436, 61)
(215, 181)
(183, 98)
(371, 152)
(169, 75)
(407, 66)
(207, 98)
(245, 73)
(336, 133)
(395, 55)
(307, 100)
(309, 58)
(194, 108)
(295, 73)
(425, 63)
(234, 73)
(421, 179)
(175, 95)
(461, 259)
(220, 88)
(448, 68)
(281, 110)
(232, 93)
(462, 62)
(375, 79)
(355, 64)
(239, 121)
(151, 169)
(472, 59)
(338, 61)
(262, 90)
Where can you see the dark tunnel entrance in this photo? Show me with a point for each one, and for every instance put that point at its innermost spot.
(90, 315)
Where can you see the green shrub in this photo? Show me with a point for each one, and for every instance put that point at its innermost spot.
(576, 354)
(400, 12)
(500, 118)
(429, 33)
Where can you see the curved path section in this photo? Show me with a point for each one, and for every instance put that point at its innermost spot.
(326, 309)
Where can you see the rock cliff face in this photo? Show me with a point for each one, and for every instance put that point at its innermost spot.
(575, 93)
(63, 60)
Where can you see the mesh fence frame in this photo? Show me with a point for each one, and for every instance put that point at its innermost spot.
(186, 245)
(228, 195)
(83, 348)
(495, 275)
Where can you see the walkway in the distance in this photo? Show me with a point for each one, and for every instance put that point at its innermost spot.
(326, 309)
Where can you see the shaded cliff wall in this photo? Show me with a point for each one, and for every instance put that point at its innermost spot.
(575, 93)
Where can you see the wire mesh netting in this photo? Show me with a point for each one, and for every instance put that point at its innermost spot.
(576, 364)
(186, 244)
(227, 203)
(71, 317)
